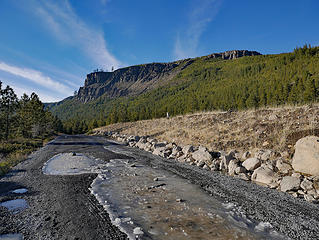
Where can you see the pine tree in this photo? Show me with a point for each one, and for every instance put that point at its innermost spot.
(8, 105)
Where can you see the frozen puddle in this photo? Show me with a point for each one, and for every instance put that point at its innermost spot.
(13, 236)
(16, 205)
(70, 164)
(148, 203)
(20, 191)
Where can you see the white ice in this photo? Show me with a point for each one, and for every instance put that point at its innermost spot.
(15, 205)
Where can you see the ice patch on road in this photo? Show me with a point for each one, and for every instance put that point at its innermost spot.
(20, 191)
(16, 205)
(12, 236)
(70, 164)
(168, 207)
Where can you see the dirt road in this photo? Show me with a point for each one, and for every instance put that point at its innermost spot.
(62, 207)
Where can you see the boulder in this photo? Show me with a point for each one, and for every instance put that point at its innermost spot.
(233, 164)
(200, 155)
(251, 164)
(289, 183)
(264, 175)
(225, 159)
(306, 157)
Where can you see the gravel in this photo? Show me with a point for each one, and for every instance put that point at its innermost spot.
(61, 207)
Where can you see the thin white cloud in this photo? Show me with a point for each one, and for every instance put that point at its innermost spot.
(36, 77)
(186, 44)
(44, 97)
(63, 23)
(20, 90)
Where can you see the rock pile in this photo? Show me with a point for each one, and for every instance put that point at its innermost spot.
(265, 167)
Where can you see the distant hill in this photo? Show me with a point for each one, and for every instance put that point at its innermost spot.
(234, 80)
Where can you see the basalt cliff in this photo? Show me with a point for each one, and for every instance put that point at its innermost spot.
(134, 80)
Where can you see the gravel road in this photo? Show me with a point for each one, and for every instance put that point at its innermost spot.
(61, 207)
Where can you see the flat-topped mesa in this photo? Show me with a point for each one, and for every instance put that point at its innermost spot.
(134, 80)
(233, 54)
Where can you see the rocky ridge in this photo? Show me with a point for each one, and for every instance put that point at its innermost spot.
(134, 80)
(266, 167)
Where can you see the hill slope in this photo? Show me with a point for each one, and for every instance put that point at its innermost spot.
(205, 83)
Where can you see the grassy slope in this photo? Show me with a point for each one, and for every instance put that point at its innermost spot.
(273, 128)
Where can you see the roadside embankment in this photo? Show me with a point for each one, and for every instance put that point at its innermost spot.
(252, 145)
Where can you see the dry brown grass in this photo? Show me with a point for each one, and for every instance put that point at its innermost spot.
(274, 128)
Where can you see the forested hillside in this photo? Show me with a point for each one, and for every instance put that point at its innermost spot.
(208, 84)
(24, 126)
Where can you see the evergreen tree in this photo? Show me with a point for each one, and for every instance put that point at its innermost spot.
(8, 105)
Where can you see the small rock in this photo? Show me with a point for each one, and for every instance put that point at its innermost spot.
(306, 185)
(232, 167)
(294, 194)
(243, 176)
(180, 200)
(282, 166)
(296, 175)
(265, 144)
(289, 183)
(133, 165)
(187, 149)
(240, 170)
(225, 159)
(264, 154)
(251, 164)
(309, 198)
(246, 155)
(156, 179)
(200, 164)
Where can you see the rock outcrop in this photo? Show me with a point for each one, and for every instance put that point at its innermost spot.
(127, 81)
(233, 54)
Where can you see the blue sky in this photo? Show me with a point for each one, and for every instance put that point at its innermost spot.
(49, 46)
